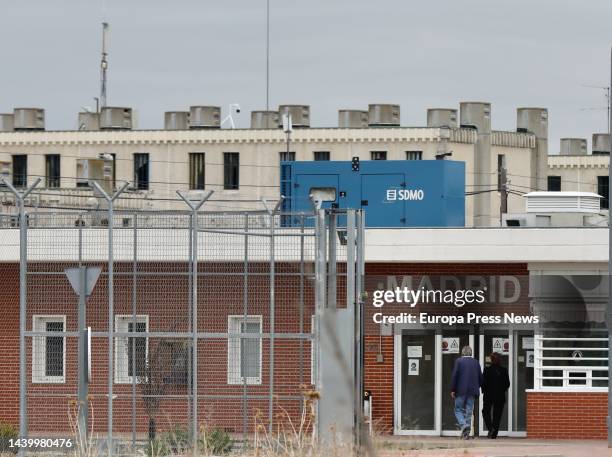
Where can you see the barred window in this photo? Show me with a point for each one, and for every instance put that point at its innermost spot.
(196, 170)
(48, 352)
(571, 359)
(244, 354)
(130, 352)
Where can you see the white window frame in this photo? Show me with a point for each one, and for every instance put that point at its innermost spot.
(39, 349)
(234, 361)
(540, 367)
(122, 322)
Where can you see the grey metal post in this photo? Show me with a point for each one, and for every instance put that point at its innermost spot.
(332, 267)
(134, 324)
(245, 297)
(609, 314)
(360, 323)
(23, 271)
(111, 312)
(271, 213)
(351, 304)
(83, 378)
(194, 311)
(320, 277)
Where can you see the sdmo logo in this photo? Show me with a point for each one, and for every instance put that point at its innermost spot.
(405, 194)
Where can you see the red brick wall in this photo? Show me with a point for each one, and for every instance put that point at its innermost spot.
(552, 415)
(379, 380)
(9, 344)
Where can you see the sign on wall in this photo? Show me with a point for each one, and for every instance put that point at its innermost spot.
(450, 345)
(501, 345)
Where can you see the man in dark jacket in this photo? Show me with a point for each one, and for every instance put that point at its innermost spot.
(494, 386)
(465, 388)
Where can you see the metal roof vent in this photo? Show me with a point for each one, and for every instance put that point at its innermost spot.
(475, 115)
(29, 119)
(601, 143)
(352, 119)
(204, 117)
(176, 120)
(264, 119)
(383, 115)
(89, 121)
(300, 115)
(116, 118)
(573, 146)
(7, 122)
(562, 202)
(442, 117)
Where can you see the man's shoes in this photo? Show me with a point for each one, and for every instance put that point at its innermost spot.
(493, 434)
(465, 433)
(490, 434)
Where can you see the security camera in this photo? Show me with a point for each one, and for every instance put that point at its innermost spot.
(105, 156)
(235, 107)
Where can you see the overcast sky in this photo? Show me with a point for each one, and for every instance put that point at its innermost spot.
(167, 55)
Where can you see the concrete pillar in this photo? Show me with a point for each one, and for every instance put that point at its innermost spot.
(535, 120)
(477, 115)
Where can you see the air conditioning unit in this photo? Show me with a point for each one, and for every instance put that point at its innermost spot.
(383, 115)
(116, 118)
(264, 119)
(176, 120)
(300, 115)
(7, 123)
(204, 117)
(29, 119)
(562, 202)
(352, 119)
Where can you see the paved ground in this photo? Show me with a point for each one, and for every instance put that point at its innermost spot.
(483, 447)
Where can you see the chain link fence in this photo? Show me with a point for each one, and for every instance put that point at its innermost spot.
(198, 329)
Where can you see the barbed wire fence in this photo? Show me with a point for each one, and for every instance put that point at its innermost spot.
(180, 328)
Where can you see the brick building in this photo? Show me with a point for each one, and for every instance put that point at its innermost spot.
(547, 398)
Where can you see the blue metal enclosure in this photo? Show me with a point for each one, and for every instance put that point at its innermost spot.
(393, 193)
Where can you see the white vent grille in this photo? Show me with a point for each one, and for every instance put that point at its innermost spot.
(562, 202)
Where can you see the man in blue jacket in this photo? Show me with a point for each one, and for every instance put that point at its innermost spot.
(465, 388)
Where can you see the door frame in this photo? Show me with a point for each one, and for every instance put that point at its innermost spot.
(397, 379)
(437, 431)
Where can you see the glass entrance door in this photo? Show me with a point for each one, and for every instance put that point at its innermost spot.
(492, 340)
(522, 378)
(451, 344)
(417, 390)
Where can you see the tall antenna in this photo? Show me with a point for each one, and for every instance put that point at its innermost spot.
(267, 55)
(606, 90)
(103, 65)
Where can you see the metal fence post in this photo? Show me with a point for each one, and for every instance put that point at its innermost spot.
(271, 213)
(194, 310)
(111, 313)
(23, 271)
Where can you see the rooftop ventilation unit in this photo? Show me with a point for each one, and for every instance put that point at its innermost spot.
(29, 119)
(300, 115)
(176, 120)
(442, 117)
(116, 118)
(601, 143)
(382, 115)
(204, 117)
(573, 146)
(352, 119)
(6, 122)
(475, 115)
(89, 121)
(562, 202)
(264, 119)
(532, 120)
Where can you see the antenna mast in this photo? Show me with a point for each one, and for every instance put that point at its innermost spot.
(103, 65)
